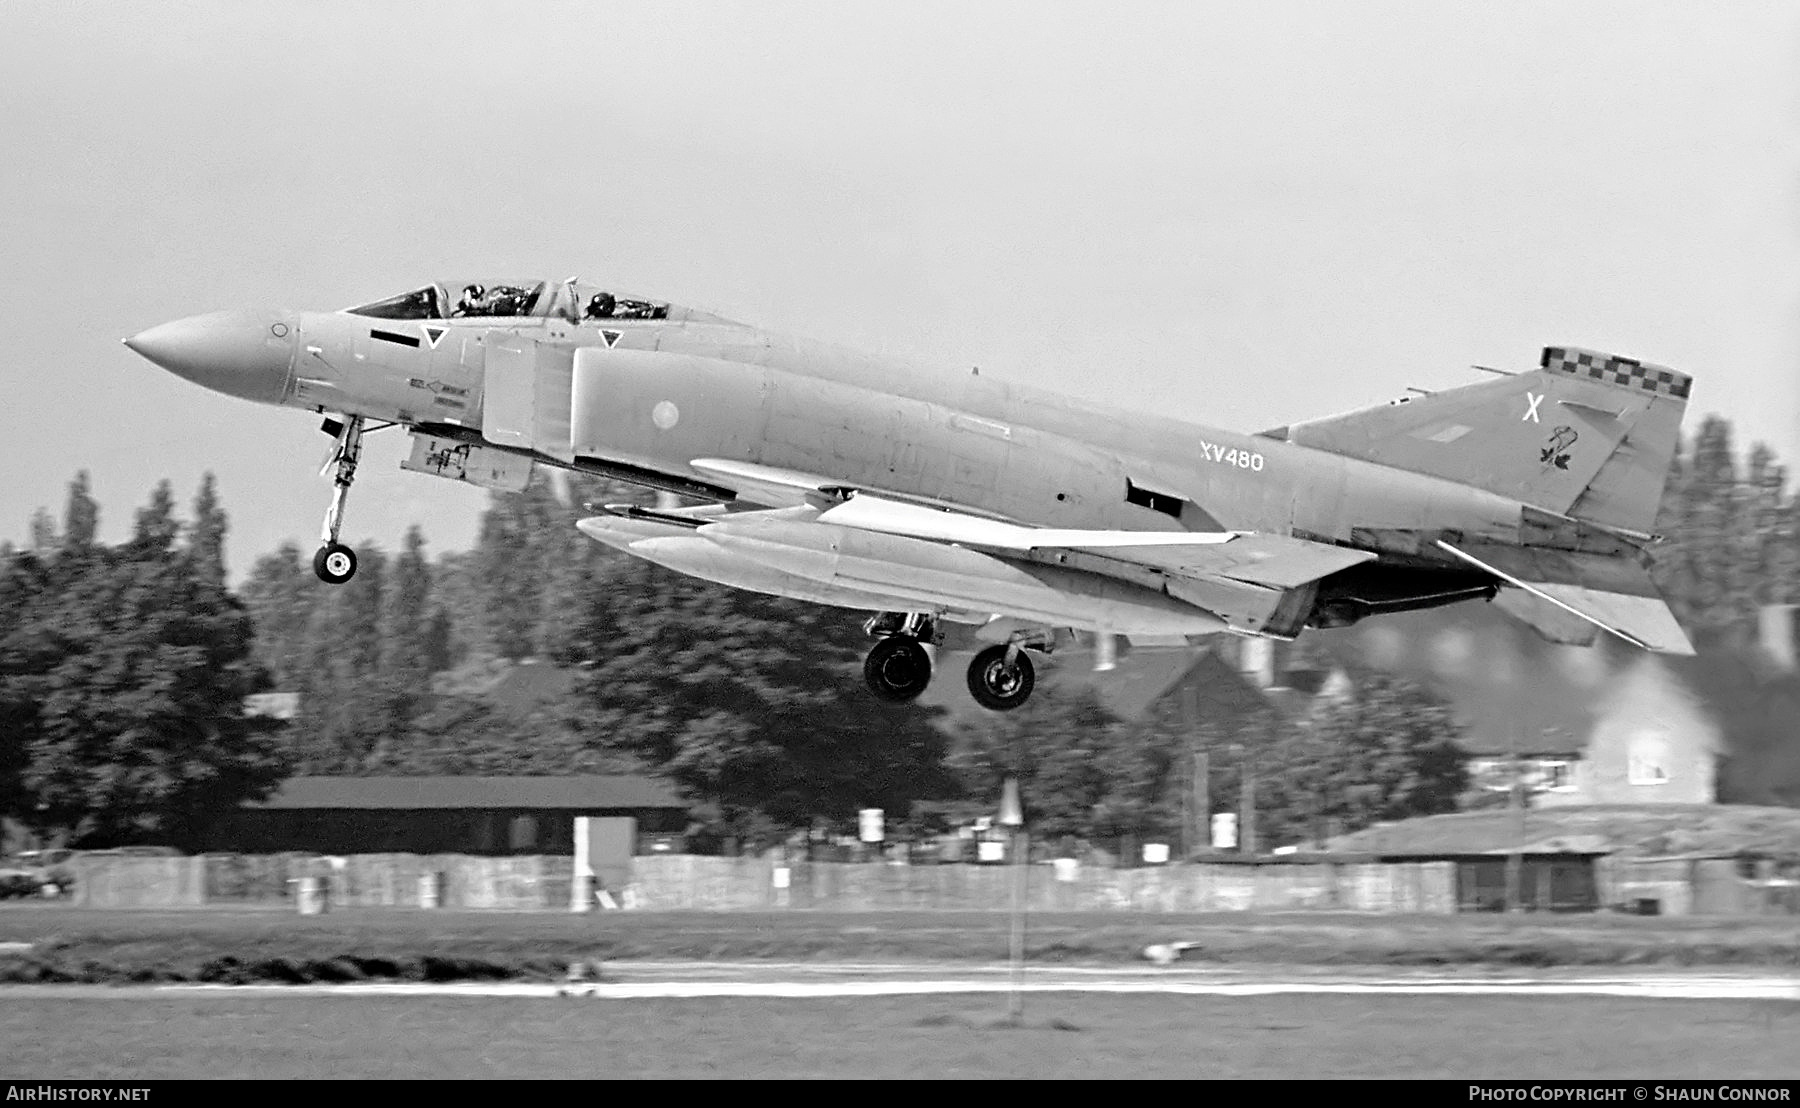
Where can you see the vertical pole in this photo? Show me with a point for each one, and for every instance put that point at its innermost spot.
(1016, 1004)
(1247, 806)
(1514, 801)
(1186, 788)
(1202, 801)
(1012, 817)
(1191, 815)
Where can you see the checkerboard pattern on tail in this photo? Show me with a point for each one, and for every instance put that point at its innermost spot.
(1614, 370)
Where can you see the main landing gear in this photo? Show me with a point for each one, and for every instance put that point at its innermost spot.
(1001, 677)
(334, 562)
(898, 667)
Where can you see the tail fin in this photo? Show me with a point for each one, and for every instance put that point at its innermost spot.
(1588, 435)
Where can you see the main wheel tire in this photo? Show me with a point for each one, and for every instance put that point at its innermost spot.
(334, 563)
(997, 685)
(897, 669)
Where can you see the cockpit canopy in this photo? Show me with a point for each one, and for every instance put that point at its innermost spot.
(574, 300)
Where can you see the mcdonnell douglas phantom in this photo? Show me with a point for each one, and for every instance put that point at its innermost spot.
(952, 502)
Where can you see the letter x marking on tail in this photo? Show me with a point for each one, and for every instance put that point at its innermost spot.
(1532, 399)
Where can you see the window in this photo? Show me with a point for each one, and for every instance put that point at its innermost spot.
(498, 299)
(593, 303)
(425, 303)
(1556, 776)
(524, 833)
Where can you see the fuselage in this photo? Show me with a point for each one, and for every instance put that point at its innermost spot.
(660, 393)
(646, 393)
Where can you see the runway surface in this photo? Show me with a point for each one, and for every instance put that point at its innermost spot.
(637, 980)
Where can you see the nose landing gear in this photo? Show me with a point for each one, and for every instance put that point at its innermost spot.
(334, 562)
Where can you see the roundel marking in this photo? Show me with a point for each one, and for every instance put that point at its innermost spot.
(665, 415)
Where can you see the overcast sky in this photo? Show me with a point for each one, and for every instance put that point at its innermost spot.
(1243, 214)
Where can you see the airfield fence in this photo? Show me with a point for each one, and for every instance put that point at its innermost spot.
(659, 882)
(1663, 886)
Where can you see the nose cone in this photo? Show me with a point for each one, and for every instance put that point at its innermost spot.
(244, 354)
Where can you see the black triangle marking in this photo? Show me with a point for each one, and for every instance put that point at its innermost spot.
(434, 334)
(611, 337)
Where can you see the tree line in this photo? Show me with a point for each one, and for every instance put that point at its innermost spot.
(123, 669)
(123, 675)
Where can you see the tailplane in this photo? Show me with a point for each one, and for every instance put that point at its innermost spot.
(1556, 591)
(1586, 434)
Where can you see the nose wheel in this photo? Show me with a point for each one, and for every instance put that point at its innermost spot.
(334, 562)
(1001, 678)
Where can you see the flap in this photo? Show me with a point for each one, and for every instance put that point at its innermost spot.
(1268, 561)
(1286, 563)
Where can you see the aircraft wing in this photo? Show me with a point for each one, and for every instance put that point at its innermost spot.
(1273, 561)
(871, 508)
(1251, 580)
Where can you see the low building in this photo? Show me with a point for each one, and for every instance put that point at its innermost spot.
(1662, 858)
(1556, 866)
(443, 815)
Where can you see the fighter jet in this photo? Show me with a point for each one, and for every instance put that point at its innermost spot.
(955, 504)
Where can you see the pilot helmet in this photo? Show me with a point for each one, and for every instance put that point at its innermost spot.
(475, 291)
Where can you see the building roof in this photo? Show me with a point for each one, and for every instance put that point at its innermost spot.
(413, 793)
(1485, 742)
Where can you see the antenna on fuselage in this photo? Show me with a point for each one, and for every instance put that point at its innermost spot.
(1491, 369)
